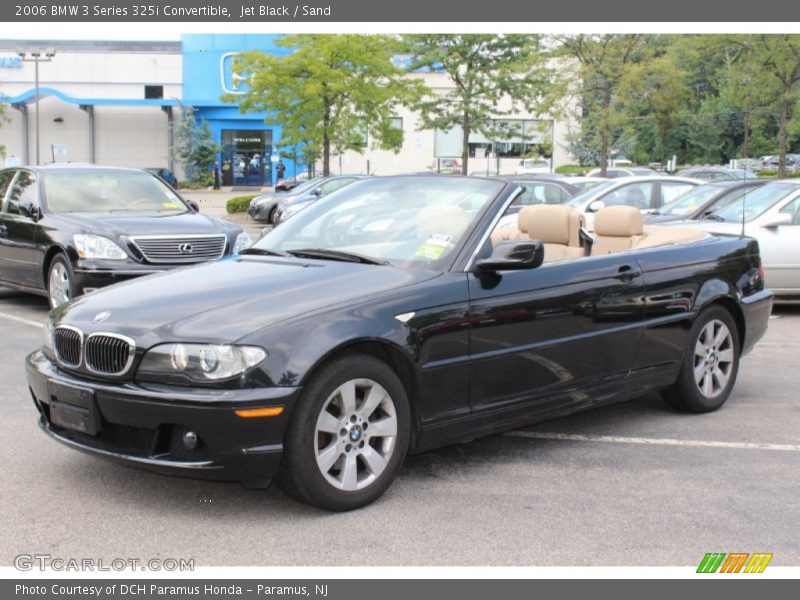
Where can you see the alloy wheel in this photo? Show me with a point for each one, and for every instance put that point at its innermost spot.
(58, 284)
(355, 434)
(713, 358)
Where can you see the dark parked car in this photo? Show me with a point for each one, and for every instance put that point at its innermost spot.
(291, 205)
(699, 201)
(323, 363)
(262, 207)
(165, 175)
(68, 230)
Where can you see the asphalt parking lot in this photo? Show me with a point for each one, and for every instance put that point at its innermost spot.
(633, 484)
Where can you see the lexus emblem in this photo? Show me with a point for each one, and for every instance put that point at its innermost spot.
(101, 316)
(185, 248)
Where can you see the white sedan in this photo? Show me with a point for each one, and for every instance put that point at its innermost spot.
(771, 214)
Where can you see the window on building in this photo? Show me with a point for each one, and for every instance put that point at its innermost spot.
(511, 138)
(153, 92)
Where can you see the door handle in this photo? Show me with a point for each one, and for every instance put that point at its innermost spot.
(627, 273)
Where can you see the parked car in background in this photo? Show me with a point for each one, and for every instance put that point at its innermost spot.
(717, 173)
(700, 201)
(68, 230)
(288, 206)
(262, 207)
(771, 214)
(446, 166)
(643, 193)
(540, 190)
(530, 166)
(322, 361)
(284, 185)
(165, 175)
(773, 162)
(584, 183)
(616, 172)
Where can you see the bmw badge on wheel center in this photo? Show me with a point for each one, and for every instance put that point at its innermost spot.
(391, 317)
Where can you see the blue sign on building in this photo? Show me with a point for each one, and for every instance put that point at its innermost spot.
(247, 142)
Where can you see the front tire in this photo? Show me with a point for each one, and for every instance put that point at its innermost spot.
(348, 435)
(61, 286)
(710, 364)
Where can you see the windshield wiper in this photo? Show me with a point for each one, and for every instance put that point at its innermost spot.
(335, 255)
(263, 252)
(713, 217)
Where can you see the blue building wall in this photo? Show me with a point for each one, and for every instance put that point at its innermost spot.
(207, 75)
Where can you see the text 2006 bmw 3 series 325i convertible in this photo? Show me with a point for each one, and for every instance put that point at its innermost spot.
(394, 316)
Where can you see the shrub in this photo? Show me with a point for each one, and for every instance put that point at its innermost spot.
(572, 170)
(238, 204)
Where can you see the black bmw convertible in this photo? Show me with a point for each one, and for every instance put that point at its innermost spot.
(66, 230)
(388, 318)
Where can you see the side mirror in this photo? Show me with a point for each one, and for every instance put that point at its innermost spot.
(596, 205)
(777, 220)
(195, 206)
(30, 211)
(514, 256)
(318, 191)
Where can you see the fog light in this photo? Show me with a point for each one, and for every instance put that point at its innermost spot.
(190, 440)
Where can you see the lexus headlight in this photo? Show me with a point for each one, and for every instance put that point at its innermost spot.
(199, 362)
(242, 241)
(95, 246)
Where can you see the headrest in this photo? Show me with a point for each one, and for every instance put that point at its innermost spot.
(550, 223)
(444, 220)
(618, 221)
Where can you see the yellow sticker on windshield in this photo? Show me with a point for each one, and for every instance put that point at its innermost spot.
(429, 251)
(434, 246)
(170, 205)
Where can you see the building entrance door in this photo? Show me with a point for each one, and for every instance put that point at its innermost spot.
(246, 157)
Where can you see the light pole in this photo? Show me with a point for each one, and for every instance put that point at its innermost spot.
(37, 56)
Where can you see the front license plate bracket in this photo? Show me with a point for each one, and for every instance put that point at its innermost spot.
(73, 407)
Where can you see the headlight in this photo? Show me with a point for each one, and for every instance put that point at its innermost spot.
(96, 246)
(242, 241)
(199, 362)
(47, 335)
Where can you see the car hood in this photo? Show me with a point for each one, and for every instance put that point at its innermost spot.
(126, 224)
(226, 300)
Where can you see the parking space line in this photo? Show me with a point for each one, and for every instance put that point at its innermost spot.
(612, 439)
(17, 319)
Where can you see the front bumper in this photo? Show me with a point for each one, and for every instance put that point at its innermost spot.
(93, 274)
(145, 427)
(756, 309)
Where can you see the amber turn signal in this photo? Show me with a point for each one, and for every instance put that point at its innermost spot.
(254, 413)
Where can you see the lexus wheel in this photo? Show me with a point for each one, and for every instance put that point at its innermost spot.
(348, 435)
(710, 364)
(60, 281)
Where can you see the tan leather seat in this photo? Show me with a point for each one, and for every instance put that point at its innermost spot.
(617, 228)
(557, 225)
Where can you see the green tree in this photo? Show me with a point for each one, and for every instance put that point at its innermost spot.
(327, 91)
(193, 146)
(779, 58)
(600, 66)
(484, 69)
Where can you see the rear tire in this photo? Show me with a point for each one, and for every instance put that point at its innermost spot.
(61, 286)
(710, 364)
(348, 435)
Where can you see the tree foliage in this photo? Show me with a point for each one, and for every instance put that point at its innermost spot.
(193, 145)
(329, 93)
(484, 69)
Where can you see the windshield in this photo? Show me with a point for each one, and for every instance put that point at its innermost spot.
(578, 200)
(306, 185)
(585, 185)
(108, 190)
(690, 201)
(413, 221)
(755, 203)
